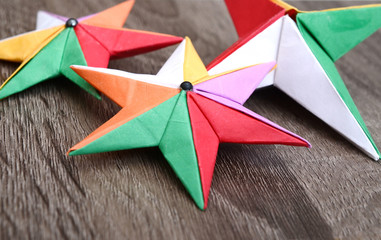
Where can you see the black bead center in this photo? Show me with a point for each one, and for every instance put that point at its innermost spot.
(71, 22)
(186, 86)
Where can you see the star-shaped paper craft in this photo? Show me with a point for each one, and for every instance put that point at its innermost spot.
(60, 42)
(305, 51)
(183, 111)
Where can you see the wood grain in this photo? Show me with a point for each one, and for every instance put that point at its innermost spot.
(331, 191)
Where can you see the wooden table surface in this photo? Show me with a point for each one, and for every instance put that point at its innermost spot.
(331, 191)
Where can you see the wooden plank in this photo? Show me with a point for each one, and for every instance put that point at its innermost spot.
(331, 191)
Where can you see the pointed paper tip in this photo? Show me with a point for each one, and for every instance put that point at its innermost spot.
(41, 12)
(176, 39)
(339, 30)
(171, 39)
(98, 97)
(378, 157)
(200, 205)
(180, 39)
(302, 142)
(188, 41)
(74, 67)
(165, 40)
(150, 41)
(82, 68)
(193, 67)
(126, 6)
(114, 16)
(205, 205)
(76, 150)
(79, 68)
(184, 41)
(375, 157)
(71, 152)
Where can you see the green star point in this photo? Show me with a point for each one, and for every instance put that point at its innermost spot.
(73, 55)
(52, 61)
(178, 148)
(324, 34)
(338, 31)
(146, 129)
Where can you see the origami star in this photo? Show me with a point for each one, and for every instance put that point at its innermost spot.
(305, 51)
(183, 111)
(60, 42)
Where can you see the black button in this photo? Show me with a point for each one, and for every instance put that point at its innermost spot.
(186, 86)
(71, 22)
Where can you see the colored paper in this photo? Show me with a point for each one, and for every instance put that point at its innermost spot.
(60, 42)
(305, 50)
(185, 112)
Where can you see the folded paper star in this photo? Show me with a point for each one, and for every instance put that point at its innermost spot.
(60, 42)
(183, 111)
(305, 51)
